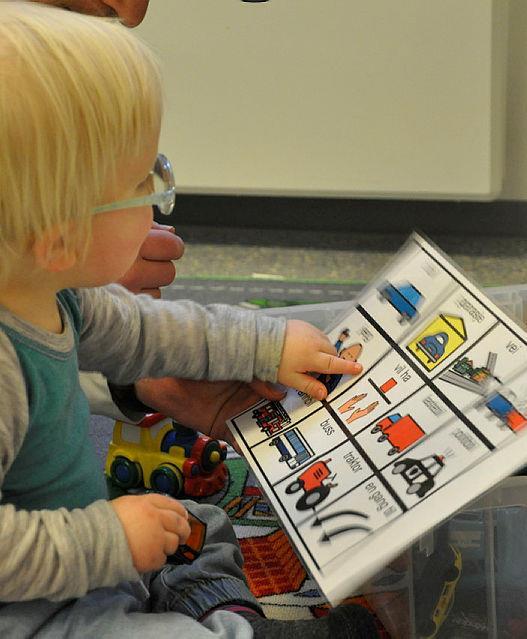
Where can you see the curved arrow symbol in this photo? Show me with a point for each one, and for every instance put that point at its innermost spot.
(318, 521)
(327, 536)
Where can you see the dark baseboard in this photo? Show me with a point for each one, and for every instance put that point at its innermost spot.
(501, 218)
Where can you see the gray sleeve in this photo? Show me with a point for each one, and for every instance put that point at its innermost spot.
(55, 554)
(127, 337)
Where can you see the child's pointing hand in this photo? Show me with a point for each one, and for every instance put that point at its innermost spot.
(307, 350)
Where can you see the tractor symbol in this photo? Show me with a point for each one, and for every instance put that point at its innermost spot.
(311, 481)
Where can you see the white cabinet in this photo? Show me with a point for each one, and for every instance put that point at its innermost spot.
(366, 98)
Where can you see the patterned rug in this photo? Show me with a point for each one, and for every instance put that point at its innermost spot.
(275, 575)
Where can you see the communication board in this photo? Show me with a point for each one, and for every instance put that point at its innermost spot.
(435, 419)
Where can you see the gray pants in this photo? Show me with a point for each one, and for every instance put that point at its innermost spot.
(165, 604)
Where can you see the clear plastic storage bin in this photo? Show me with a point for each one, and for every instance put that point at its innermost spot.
(467, 579)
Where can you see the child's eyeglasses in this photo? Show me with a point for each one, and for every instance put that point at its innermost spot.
(161, 185)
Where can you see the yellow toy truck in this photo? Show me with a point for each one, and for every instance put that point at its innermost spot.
(163, 456)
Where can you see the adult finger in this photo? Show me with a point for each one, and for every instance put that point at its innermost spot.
(267, 390)
(155, 274)
(162, 245)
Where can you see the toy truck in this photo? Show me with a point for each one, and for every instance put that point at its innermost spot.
(312, 481)
(400, 432)
(404, 298)
(163, 456)
(293, 448)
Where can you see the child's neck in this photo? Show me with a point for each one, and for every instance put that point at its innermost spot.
(34, 302)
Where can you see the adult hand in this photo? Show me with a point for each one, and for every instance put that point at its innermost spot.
(153, 267)
(203, 405)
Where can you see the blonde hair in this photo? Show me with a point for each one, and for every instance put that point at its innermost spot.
(77, 94)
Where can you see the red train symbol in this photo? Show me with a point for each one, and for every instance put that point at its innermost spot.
(271, 418)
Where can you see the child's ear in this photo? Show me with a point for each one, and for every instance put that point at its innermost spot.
(51, 254)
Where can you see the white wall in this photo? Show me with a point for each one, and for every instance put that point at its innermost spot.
(375, 98)
(515, 175)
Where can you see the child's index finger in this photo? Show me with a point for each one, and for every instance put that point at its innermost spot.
(332, 364)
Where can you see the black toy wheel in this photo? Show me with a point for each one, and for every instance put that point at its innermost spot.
(167, 479)
(125, 473)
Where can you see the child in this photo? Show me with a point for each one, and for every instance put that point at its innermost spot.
(79, 123)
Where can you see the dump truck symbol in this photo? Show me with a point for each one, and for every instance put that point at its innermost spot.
(438, 340)
(400, 432)
(472, 378)
(404, 298)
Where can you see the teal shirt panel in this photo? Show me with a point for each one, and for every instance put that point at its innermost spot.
(56, 465)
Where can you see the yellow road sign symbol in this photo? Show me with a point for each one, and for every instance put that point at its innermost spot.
(438, 340)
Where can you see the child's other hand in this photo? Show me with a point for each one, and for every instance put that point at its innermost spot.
(154, 525)
(306, 349)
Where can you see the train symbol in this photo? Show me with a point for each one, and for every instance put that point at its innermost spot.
(293, 448)
(271, 418)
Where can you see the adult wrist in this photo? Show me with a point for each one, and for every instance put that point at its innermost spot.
(126, 399)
